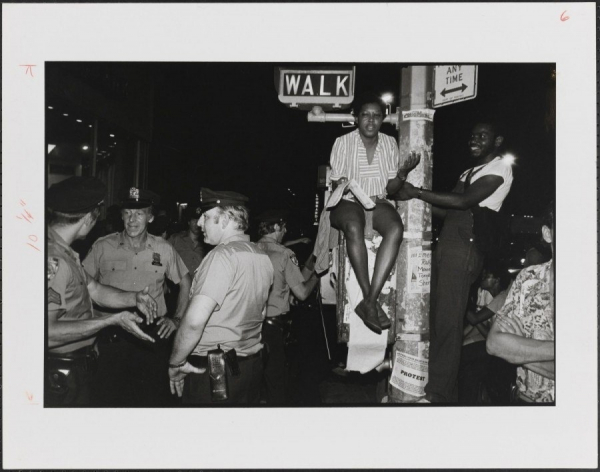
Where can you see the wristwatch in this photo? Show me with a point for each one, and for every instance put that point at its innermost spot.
(419, 193)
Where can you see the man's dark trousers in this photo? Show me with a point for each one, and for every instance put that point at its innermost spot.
(456, 265)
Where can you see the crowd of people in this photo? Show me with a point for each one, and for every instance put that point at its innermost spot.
(199, 316)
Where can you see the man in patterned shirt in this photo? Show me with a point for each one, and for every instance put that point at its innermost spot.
(523, 332)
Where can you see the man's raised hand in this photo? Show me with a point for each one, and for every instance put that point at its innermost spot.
(147, 305)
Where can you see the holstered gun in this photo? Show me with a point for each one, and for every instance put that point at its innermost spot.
(217, 374)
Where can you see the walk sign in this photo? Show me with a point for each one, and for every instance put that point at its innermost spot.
(330, 87)
(453, 83)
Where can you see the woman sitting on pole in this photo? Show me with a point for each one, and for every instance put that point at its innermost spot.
(371, 159)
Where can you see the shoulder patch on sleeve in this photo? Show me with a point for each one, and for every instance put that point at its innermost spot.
(54, 297)
(52, 267)
(294, 259)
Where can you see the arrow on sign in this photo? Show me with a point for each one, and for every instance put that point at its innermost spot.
(462, 88)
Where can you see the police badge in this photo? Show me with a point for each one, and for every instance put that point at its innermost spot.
(156, 259)
(134, 193)
(294, 259)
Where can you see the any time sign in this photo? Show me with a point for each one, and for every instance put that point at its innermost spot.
(316, 87)
(453, 84)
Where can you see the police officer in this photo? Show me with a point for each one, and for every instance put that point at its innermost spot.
(132, 373)
(287, 278)
(226, 309)
(73, 208)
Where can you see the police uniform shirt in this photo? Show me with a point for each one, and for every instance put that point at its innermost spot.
(192, 254)
(67, 287)
(112, 261)
(237, 275)
(287, 274)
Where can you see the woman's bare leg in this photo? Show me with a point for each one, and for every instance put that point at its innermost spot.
(349, 218)
(388, 224)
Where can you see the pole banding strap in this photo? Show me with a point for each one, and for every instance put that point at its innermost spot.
(426, 235)
(412, 337)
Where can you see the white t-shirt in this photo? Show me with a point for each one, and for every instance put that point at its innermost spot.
(483, 298)
(498, 167)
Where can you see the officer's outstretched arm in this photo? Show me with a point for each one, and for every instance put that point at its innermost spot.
(65, 332)
(112, 297)
(61, 332)
(304, 289)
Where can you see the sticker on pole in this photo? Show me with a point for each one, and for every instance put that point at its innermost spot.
(410, 374)
(419, 270)
(453, 83)
(425, 115)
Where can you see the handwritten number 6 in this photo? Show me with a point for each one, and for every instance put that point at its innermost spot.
(563, 17)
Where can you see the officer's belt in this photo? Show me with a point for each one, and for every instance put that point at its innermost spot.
(240, 357)
(85, 357)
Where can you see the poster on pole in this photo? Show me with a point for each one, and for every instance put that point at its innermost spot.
(410, 374)
(419, 270)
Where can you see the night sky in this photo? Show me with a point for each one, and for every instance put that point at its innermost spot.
(221, 125)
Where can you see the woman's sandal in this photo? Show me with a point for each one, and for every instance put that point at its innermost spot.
(383, 319)
(369, 319)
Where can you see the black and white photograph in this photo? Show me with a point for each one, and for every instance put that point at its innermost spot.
(163, 143)
(325, 244)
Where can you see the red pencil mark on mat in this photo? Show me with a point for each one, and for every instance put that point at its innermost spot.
(27, 216)
(34, 238)
(29, 68)
(563, 17)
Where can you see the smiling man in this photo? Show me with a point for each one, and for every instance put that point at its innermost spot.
(132, 372)
(458, 260)
(227, 308)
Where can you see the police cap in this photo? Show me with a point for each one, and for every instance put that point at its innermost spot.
(139, 198)
(272, 216)
(210, 199)
(76, 195)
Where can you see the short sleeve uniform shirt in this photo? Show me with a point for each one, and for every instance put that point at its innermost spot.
(287, 274)
(112, 261)
(67, 287)
(237, 275)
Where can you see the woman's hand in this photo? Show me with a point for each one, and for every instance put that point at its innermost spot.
(411, 161)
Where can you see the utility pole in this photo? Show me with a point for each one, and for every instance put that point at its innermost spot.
(410, 352)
